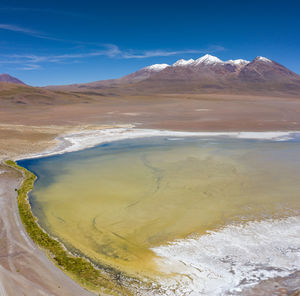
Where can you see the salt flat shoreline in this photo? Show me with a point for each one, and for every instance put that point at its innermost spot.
(71, 142)
(83, 139)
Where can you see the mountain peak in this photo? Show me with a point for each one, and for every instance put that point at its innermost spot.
(183, 62)
(156, 67)
(238, 62)
(8, 78)
(208, 59)
(262, 59)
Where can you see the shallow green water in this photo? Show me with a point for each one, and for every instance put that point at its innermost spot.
(115, 202)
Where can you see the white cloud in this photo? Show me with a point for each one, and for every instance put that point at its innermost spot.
(33, 62)
(167, 53)
(14, 28)
(18, 29)
(29, 67)
(33, 33)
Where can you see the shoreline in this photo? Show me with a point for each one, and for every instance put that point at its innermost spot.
(24, 267)
(79, 268)
(76, 141)
(81, 140)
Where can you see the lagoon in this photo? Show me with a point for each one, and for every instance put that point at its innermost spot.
(121, 204)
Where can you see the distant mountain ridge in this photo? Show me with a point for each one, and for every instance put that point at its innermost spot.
(212, 68)
(206, 59)
(8, 78)
(205, 74)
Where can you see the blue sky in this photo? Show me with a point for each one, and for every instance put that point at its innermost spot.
(62, 42)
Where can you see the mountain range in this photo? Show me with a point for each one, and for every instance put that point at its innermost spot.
(207, 74)
(202, 94)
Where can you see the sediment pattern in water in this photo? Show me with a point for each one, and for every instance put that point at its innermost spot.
(122, 205)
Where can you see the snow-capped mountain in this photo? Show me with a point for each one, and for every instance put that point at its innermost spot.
(156, 67)
(204, 63)
(263, 59)
(182, 63)
(205, 60)
(238, 62)
(208, 60)
(208, 74)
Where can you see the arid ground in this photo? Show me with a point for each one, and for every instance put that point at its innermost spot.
(28, 122)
